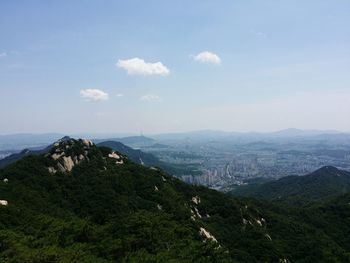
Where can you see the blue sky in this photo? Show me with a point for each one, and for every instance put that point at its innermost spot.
(281, 64)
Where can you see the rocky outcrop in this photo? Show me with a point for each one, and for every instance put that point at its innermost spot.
(205, 233)
(119, 158)
(67, 153)
(3, 202)
(196, 200)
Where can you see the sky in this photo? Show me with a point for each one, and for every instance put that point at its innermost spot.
(173, 66)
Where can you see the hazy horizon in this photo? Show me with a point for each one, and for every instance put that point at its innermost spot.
(176, 66)
(126, 134)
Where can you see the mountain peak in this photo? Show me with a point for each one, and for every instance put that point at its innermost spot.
(64, 138)
(68, 152)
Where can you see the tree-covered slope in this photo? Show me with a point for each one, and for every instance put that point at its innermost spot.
(82, 203)
(17, 156)
(148, 159)
(136, 156)
(322, 184)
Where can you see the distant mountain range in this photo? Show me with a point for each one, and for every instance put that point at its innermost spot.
(248, 136)
(322, 184)
(27, 140)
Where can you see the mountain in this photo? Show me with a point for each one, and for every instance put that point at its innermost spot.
(292, 132)
(83, 203)
(320, 185)
(131, 141)
(17, 156)
(26, 152)
(148, 159)
(227, 135)
(135, 155)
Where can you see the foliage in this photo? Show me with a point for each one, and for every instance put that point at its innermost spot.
(325, 183)
(105, 212)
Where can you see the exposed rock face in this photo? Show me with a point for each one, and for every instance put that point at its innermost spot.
(196, 200)
(119, 159)
(67, 153)
(204, 233)
(86, 142)
(3, 202)
(52, 170)
(68, 163)
(56, 156)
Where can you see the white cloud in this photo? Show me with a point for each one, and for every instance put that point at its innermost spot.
(258, 33)
(119, 95)
(3, 54)
(150, 97)
(94, 94)
(207, 57)
(137, 66)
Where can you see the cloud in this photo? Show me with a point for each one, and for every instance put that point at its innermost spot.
(119, 95)
(207, 57)
(258, 33)
(137, 66)
(3, 54)
(94, 94)
(150, 97)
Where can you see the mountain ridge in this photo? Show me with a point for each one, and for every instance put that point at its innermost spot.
(322, 184)
(104, 211)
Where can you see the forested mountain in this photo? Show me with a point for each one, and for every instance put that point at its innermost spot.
(131, 141)
(135, 155)
(148, 159)
(320, 185)
(83, 203)
(17, 156)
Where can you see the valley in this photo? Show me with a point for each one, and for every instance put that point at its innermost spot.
(223, 161)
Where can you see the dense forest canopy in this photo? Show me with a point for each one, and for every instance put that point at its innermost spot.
(105, 210)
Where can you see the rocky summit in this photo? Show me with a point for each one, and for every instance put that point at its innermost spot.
(68, 152)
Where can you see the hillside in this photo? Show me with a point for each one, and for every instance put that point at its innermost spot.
(83, 203)
(17, 156)
(148, 159)
(136, 156)
(131, 141)
(320, 185)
